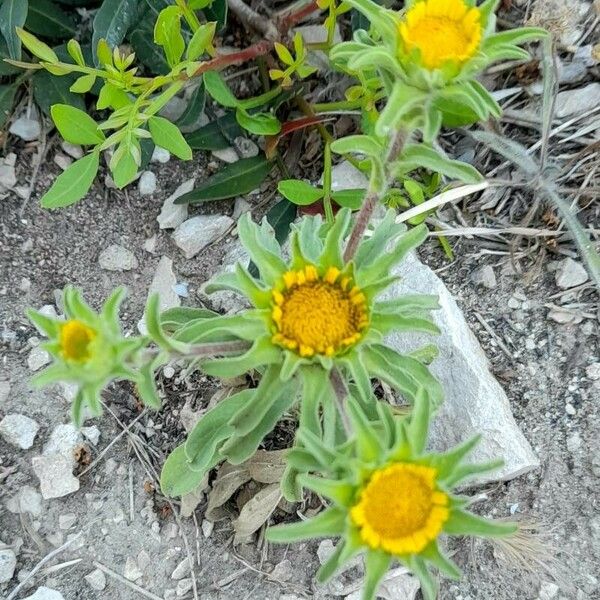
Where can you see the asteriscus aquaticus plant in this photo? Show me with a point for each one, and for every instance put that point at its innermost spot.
(311, 313)
(391, 499)
(88, 349)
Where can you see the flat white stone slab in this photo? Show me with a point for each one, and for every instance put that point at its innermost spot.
(475, 402)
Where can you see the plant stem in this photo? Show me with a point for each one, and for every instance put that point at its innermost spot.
(373, 197)
(218, 349)
(341, 394)
(327, 184)
(250, 17)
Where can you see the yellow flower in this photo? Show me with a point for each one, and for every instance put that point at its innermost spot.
(400, 509)
(74, 339)
(442, 31)
(317, 314)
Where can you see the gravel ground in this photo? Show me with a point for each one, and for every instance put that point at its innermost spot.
(123, 525)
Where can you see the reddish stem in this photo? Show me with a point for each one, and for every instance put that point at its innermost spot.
(287, 22)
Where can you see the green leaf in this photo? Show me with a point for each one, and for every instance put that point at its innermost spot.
(234, 180)
(330, 522)
(13, 14)
(76, 126)
(217, 135)
(73, 184)
(281, 216)
(219, 90)
(49, 20)
(217, 11)
(166, 135)
(195, 108)
(212, 429)
(167, 33)
(177, 478)
(37, 47)
(83, 84)
(351, 199)
(465, 523)
(428, 158)
(112, 21)
(6, 68)
(49, 90)
(123, 165)
(201, 40)
(377, 562)
(361, 144)
(7, 98)
(259, 123)
(299, 192)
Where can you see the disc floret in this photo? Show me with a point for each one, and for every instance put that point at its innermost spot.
(75, 338)
(401, 510)
(316, 313)
(442, 31)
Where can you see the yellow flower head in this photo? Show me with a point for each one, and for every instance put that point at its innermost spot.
(442, 31)
(318, 314)
(400, 509)
(74, 339)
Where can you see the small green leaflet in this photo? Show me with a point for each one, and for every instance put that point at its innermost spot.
(215, 85)
(13, 14)
(167, 33)
(299, 192)
(167, 136)
(234, 180)
(75, 126)
(74, 183)
(258, 124)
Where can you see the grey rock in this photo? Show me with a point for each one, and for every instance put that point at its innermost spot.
(73, 150)
(150, 244)
(485, 276)
(345, 176)
(162, 284)
(184, 586)
(227, 301)
(570, 273)
(172, 215)
(63, 161)
(181, 570)
(593, 371)
(63, 440)
(44, 593)
(8, 563)
(27, 501)
(67, 521)
(227, 155)
(147, 183)
(117, 258)
(475, 403)
(282, 571)
(173, 109)
(207, 528)
(562, 316)
(92, 434)
(19, 430)
(160, 155)
(37, 358)
(96, 580)
(4, 391)
(8, 175)
(27, 128)
(55, 475)
(398, 583)
(247, 148)
(548, 591)
(198, 232)
(239, 208)
(576, 101)
(132, 571)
